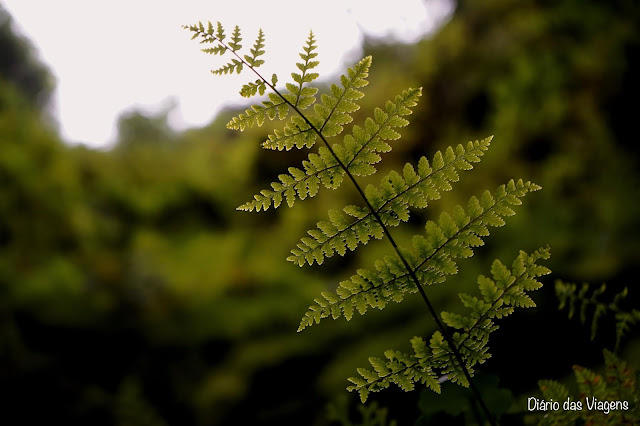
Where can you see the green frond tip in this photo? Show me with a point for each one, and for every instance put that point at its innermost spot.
(207, 35)
(256, 51)
(236, 38)
(391, 200)
(237, 63)
(335, 109)
(455, 235)
(500, 295)
(299, 97)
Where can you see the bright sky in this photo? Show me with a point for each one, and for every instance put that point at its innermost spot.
(112, 56)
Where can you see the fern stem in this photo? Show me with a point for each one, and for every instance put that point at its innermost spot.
(386, 231)
(412, 273)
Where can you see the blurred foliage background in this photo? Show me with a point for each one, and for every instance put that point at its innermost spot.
(133, 293)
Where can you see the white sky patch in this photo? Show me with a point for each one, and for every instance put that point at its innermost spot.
(116, 55)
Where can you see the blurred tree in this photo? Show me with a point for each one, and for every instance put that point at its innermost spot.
(20, 66)
(556, 89)
(137, 127)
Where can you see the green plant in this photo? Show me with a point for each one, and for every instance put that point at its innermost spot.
(371, 414)
(603, 399)
(460, 342)
(610, 398)
(569, 295)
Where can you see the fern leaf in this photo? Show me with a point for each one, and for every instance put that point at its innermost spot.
(250, 89)
(236, 38)
(336, 108)
(304, 96)
(296, 133)
(359, 150)
(358, 155)
(220, 35)
(216, 50)
(569, 296)
(391, 202)
(320, 169)
(229, 68)
(256, 51)
(438, 358)
(432, 257)
(330, 115)
(507, 290)
(256, 115)
(454, 236)
(404, 370)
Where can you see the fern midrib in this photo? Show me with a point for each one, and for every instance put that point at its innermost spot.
(307, 177)
(285, 136)
(484, 315)
(371, 139)
(430, 307)
(381, 208)
(392, 373)
(333, 109)
(411, 365)
(417, 268)
(304, 73)
(412, 274)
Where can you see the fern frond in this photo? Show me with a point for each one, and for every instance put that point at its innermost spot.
(251, 88)
(320, 169)
(569, 296)
(501, 294)
(279, 104)
(399, 368)
(617, 388)
(236, 38)
(427, 363)
(256, 51)
(358, 152)
(234, 65)
(390, 201)
(336, 108)
(432, 257)
(329, 115)
(432, 260)
(304, 97)
(256, 115)
(296, 133)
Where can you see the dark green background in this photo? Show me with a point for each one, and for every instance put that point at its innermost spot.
(133, 293)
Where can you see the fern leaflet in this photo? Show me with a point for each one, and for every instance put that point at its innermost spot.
(432, 256)
(391, 201)
(454, 236)
(499, 296)
(569, 296)
(358, 151)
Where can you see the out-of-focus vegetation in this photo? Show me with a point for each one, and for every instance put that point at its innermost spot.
(132, 292)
